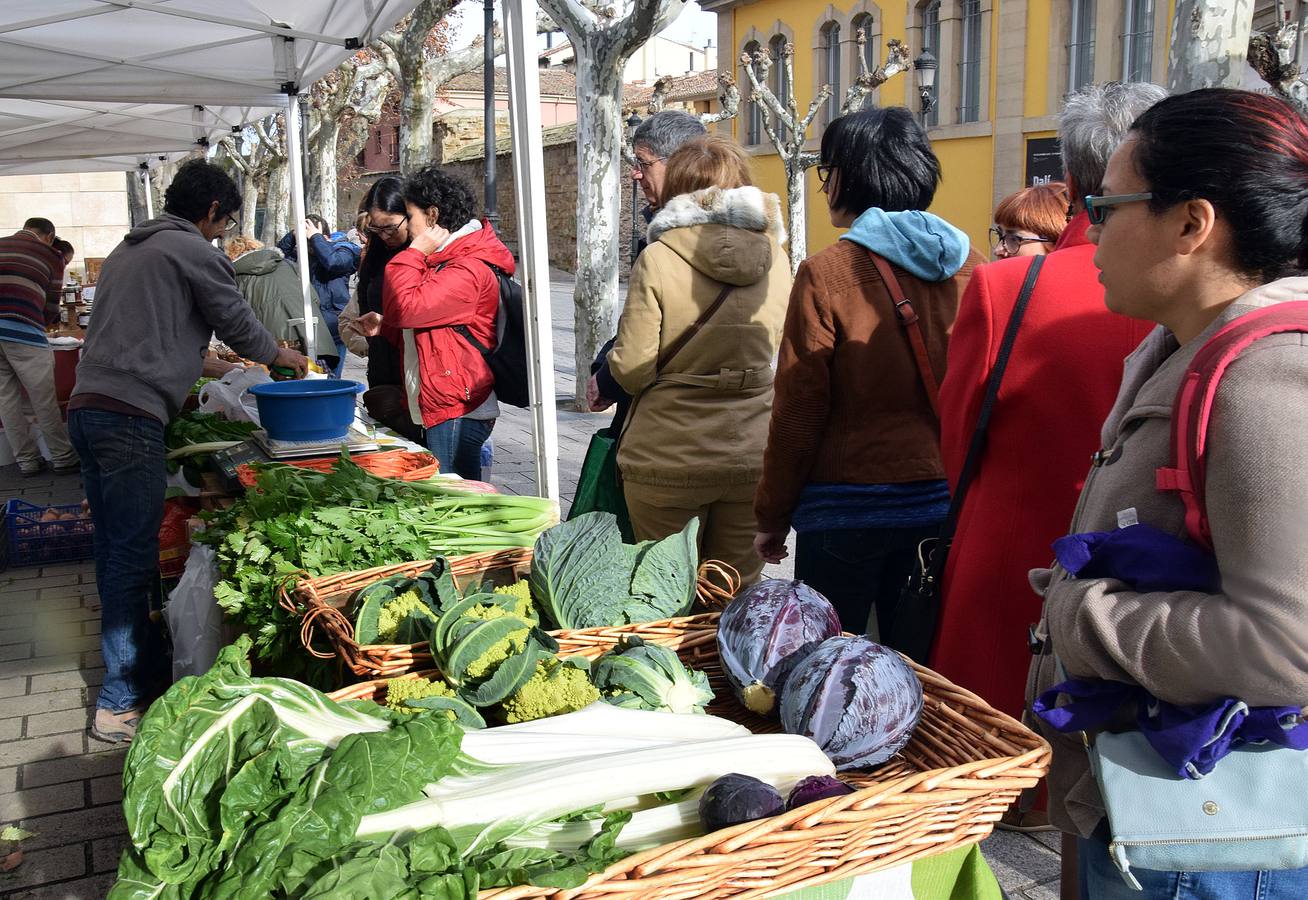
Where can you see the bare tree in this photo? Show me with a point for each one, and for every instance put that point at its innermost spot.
(728, 98)
(792, 133)
(259, 154)
(352, 94)
(602, 42)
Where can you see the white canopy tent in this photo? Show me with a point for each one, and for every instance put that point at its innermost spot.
(100, 85)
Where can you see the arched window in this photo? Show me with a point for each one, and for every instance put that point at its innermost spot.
(1081, 45)
(969, 63)
(754, 110)
(862, 24)
(1138, 40)
(930, 14)
(831, 69)
(780, 82)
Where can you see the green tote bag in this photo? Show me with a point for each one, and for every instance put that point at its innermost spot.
(598, 488)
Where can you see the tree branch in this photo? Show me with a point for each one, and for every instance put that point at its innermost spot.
(823, 95)
(866, 82)
(758, 92)
(728, 99)
(661, 89)
(572, 18)
(646, 19)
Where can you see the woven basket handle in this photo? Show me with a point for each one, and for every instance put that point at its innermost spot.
(309, 616)
(709, 594)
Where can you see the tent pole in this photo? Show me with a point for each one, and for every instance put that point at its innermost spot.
(149, 192)
(293, 160)
(534, 271)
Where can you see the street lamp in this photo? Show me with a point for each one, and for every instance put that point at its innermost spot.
(633, 122)
(924, 71)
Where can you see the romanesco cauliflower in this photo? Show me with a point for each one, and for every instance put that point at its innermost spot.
(393, 612)
(556, 687)
(520, 591)
(400, 690)
(485, 664)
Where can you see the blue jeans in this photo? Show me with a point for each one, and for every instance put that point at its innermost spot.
(456, 444)
(1101, 880)
(861, 571)
(123, 473)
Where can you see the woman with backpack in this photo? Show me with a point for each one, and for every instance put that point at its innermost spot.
(438, 295)
(1201, 226)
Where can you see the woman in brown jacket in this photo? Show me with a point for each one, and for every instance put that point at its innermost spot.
(853, 457)
(693, 443)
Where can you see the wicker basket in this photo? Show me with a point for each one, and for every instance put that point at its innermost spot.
(320, 602)
(399, 464)
(965, 765)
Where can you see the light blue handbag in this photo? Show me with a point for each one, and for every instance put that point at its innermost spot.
(1249, 814)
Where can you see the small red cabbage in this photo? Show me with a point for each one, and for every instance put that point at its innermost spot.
(816, 787)
(765, 632)
(857, 700)
(733, 799)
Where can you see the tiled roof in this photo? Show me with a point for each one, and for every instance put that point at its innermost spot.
(554, 82)
(692, 86)
(549, 137)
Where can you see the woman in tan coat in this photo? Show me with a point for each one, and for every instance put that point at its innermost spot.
(693, 445)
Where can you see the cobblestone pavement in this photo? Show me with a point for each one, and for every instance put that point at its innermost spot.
(65, 787)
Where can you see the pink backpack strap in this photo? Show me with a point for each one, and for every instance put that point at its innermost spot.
(1192, 411)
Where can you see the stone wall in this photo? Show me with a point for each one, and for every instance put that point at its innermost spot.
(560, 203)
(89, 209)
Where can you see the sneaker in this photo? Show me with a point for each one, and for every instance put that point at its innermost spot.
(72, 468)
(31, 470)
(116, 727)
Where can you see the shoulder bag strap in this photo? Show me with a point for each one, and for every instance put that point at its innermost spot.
(977, 445)
(670, 353)
(907, 317)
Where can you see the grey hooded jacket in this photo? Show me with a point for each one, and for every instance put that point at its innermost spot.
(162, 293)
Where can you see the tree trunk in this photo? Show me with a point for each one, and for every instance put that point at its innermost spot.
(599, 204)
(415, 121)
(322, 189)
(277, 205)
(135, 199)
(798, 213)
(1210, 40)
(249, 204)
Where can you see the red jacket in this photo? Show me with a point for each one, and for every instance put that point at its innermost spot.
(453, 286)
(1061, 381)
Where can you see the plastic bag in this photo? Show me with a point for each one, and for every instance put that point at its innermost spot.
(229, 397)
(194, 619)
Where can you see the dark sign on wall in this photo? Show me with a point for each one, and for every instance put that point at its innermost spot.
(1044, 161)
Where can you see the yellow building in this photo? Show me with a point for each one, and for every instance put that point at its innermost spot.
(1004, 66)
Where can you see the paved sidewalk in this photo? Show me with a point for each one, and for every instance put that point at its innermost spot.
(65, 787)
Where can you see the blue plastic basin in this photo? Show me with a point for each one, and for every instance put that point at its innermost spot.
(319, 410)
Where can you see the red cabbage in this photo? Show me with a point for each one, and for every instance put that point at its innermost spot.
(857, 700)
(733, 799)
(765, 632)
(816, 787)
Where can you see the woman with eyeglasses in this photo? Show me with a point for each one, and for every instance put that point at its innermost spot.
(1202, 220)
(853, 456)
(440, 300)
(1028, 222)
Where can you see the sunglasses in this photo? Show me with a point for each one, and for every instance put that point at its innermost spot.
(1012, 241)
(1097, 206)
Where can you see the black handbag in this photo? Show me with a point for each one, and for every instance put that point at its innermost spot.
(918, 611)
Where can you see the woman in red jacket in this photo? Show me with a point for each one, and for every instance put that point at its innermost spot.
(438, 293)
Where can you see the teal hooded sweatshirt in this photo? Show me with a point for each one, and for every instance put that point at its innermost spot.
(922, 244)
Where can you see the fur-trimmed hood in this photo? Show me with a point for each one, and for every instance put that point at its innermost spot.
(730, 235)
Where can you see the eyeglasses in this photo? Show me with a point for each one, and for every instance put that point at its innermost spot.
(1098, 206)
(386, 230)
(824, 173)
(232, 223)
(646, 164)
(1012, 241)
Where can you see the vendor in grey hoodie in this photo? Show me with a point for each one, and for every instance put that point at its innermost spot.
(162, 293)
(853, 457)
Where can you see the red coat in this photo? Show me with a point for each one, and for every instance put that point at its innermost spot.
(453, 286)
(1061, 381)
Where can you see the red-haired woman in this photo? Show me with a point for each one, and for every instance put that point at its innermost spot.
(1028, 222)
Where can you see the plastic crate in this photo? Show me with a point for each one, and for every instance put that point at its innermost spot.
(27, 541)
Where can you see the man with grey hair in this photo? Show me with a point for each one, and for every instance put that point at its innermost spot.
(655, 140)
(1061, 380)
